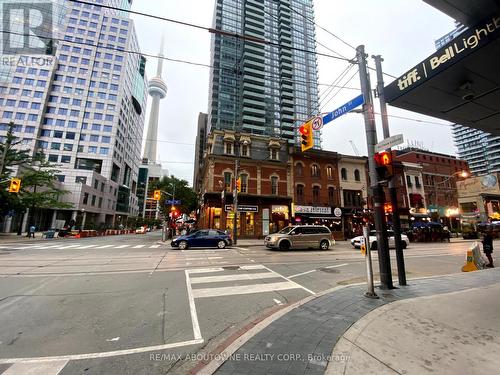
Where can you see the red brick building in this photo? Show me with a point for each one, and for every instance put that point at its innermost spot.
(265, 200)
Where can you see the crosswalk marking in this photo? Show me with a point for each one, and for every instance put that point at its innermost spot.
(104, 247)
(246, 276)
(154, 246)
(243, 289)
(86, 247)
(36, 368)
(121, 246)
(138, 246)
(68, 247)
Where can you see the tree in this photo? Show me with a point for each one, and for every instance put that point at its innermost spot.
(38, 180)
(180, 190)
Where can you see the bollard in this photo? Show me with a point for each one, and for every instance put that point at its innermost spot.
(365, 246)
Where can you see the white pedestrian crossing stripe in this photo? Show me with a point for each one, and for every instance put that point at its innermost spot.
(199, 276)
(82, 247)
(36, 368)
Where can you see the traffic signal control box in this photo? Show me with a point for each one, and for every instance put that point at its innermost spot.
(15, 185)
(306, 136)
(384, 165)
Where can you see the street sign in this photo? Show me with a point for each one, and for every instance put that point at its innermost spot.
(342, 110)
(317, 123)
(389, 142)
(173, 201)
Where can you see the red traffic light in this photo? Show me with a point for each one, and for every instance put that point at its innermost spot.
(303, 129)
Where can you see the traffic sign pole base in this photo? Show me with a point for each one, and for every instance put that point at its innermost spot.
(371, 295)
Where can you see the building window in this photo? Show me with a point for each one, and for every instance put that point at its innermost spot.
(329, 173)
(299, 170)
(357, 176)
(417, 182)
(81, 180)
(315, 172)
(227, 181)
(300, 194)
(408, 181)
(274, 185)
(315, 194)
(244, 183)
(331, 196)
(274, 154)
(245, 150)
(228, 148)
(343, 174)
(85, 198)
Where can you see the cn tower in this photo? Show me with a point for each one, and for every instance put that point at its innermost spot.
(158, 90)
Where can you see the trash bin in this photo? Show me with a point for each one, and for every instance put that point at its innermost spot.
(50, 233)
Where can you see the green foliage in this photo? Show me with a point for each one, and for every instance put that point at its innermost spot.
(38, 181)
(180, 190)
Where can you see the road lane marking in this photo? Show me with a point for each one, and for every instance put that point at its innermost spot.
(277, 301)
(114, 353)
(255, 267)
(85, 247)
(246, 276)
(311, 271)
(290, 281)
(138, 246)
(154, 246)
(35, 368)
(244, 289)
(121, 246)
(206, 270)
(192, 309)
(104, 247)
(68, 247)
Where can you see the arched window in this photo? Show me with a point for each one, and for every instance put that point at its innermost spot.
(299, 170)
(315, 194)
(343, 174)
(227, 181)
(244, 183)
(315, 171)
(329, 172)
(357, 176)
(274, 185)
(300, 194)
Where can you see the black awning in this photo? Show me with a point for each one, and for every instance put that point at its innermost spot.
(459, 83)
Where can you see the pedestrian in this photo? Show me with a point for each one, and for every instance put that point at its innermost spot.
(31, 231)
(488, 247)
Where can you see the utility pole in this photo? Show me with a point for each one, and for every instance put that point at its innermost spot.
(392, 188)
(235, 191)
(375, 188)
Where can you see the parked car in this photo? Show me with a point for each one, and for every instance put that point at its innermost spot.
(356, 241)
(203, 238)
(301, 237)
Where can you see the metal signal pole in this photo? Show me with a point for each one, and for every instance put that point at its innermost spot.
(375, 188)
(392, 188)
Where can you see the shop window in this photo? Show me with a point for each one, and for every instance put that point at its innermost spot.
(357, 175)
(299, 192)
(274, 185)
(315, 194)
(315, 172)
(329, 172)
(343, 174)
(299, 170)
(249, 224)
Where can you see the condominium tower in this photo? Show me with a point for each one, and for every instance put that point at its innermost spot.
(84, 108)
(267, 88)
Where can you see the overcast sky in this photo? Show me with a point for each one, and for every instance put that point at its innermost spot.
(403, 32)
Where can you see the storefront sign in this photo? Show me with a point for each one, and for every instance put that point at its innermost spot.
(474, 185)
(313, 210)
(241, 208)
(469, 41)
(279, 209)
(337, 212)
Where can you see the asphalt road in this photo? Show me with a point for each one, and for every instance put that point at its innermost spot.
(131, 305)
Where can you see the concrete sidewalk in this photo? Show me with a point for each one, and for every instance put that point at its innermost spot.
(454, 328)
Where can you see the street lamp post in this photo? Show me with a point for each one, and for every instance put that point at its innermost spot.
(237, 153)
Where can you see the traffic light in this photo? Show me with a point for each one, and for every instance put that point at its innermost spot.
(15, 185)
(157, 195)
(384, 166)
(238, 185)
(306, 136)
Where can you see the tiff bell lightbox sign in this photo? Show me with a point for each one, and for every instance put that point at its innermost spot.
(241, 208)
(466, 43)
(313, 210)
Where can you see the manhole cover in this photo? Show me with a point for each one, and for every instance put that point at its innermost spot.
(231, 267)
(329, 270)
